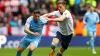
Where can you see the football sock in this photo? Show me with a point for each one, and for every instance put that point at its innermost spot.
(29, 53)
(53, 46)
(18, 54)
(91, 41)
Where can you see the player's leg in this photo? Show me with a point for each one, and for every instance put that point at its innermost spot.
(94, 36)
(65, 40)
(19, 51)
(55, 41)
(91, 41)
(33, 45)
(88, 42)
(23, 45)
(31, 49)
(60, 51)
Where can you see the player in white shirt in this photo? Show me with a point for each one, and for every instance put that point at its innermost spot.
(65, 22)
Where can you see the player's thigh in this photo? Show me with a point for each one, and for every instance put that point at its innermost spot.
(32, 47)
(94, 34)
(91, 34)
(20, 49)
(24, 43)
(55, 40)
(34, 44)
(65, 41)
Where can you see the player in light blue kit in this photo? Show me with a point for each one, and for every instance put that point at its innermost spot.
(33, 28)
(90, 19)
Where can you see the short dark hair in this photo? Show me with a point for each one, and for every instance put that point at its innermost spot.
(36, 12)
(90, 6)
(61, 2)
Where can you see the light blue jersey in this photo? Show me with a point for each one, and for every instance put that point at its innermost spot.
(34, 27)
(90, 19)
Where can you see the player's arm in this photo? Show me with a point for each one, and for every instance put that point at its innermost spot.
(48, 14)
(64, 16)
(44, 18)
(26, 30)
(27, 25)
(85, 19)
(97, 19)
(57, 19)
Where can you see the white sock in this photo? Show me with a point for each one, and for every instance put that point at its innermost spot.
(54, 44)
(93, 50)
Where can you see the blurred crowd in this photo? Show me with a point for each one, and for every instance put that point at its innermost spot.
(15, 12)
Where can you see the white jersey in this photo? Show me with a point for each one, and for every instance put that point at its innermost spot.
(66, 26)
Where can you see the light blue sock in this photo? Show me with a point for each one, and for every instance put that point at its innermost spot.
(18, 54)
(29, 53)
(91, 41)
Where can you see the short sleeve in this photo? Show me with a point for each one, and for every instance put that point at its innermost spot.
(27, 24)
(44, 21)
(54, 13)
(85, 18)
(67, 14)
(97, 18)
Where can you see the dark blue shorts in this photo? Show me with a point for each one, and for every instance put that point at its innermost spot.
(65, 40)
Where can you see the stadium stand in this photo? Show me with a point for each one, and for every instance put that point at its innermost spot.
(13, 14)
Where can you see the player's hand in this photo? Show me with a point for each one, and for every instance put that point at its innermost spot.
(36, 34)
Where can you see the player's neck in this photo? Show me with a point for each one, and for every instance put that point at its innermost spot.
(63, 11)
(35, 21)
(91, 11)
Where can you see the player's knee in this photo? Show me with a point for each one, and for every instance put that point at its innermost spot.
(19, 51)
(91, 37)
(31, 49)
(55, 41)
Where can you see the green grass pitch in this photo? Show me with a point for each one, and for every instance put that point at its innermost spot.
(44, 51)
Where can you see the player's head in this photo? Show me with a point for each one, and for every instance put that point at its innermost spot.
(36, 15)
(91, 8)
(61, 5)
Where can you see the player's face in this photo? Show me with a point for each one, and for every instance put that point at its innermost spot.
(91, 9)
(61, 8)
(36, 17)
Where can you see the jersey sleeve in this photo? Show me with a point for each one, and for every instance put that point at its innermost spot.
(97, 18)
(44, 21)
(27, 24)
(85, 18)
(66, 14)
(54, 13)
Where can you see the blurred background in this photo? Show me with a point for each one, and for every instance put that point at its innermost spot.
(13, 15)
